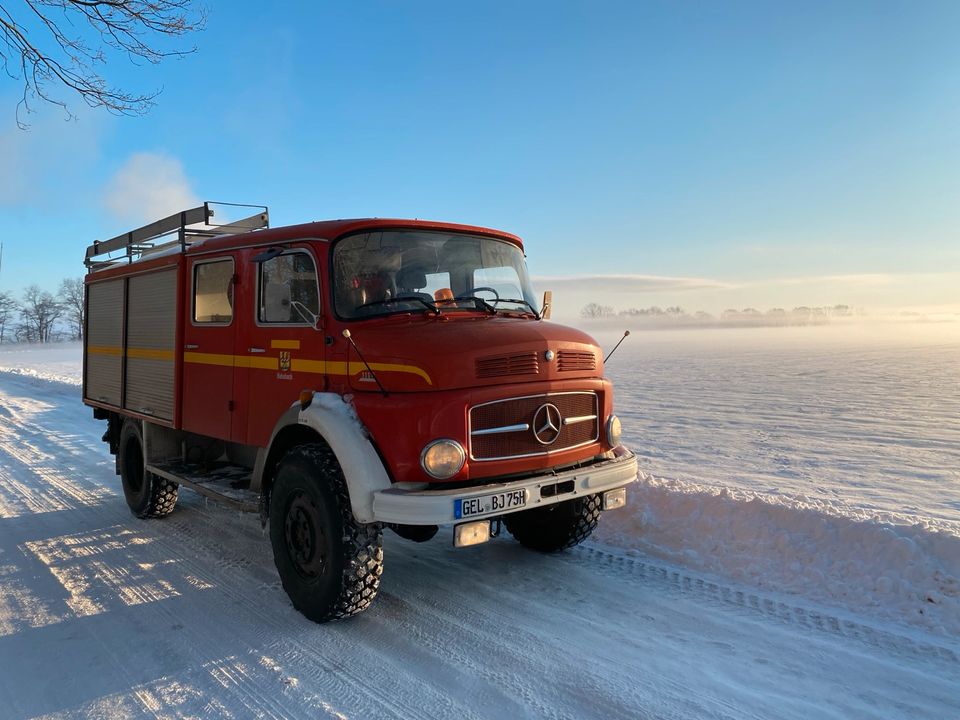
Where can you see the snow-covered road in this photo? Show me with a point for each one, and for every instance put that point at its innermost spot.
(104, 615)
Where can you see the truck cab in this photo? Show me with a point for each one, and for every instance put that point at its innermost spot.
(345, 377)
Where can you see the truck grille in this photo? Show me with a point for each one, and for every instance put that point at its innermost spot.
(571, 360)
(533, 425)
(500, 365)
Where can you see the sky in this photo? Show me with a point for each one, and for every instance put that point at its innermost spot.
(706, 155)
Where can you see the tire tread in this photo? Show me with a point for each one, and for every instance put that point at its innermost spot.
(555, 527)
(361, 544)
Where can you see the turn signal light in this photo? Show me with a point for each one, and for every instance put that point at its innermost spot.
(614, 499)
(306, 397)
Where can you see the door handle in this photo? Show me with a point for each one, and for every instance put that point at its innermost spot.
(190, 347)
(256, 350)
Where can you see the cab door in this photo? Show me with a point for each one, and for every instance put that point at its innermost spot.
(286, 352)
(208, 349)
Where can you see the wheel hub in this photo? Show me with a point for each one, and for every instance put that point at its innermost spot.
(303, 532)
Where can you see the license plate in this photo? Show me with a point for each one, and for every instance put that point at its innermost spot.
(495, 502)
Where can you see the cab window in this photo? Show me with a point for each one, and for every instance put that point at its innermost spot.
(213, 292)
(288, 290)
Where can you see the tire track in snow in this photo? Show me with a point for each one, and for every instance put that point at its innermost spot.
(613, 562)
(28, 459)
(22, 440)
(175, 535)
(221, 570)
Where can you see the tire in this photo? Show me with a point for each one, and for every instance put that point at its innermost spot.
(329, 564)
(147, 495)
(555, 527)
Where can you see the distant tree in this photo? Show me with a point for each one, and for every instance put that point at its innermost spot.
(595, 311)
(51, 45)
(8, 306)
(38, 311)
(23, 333)
(71, 299)
(703, 315)
(675, 310)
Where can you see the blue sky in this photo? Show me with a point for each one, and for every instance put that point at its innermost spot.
(720, 155)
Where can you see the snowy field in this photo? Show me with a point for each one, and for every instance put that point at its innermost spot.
(823, 461)
(798, 509)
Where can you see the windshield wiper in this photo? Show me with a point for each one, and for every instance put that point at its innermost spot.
(479, 302)
(403, 298)
(520, 302)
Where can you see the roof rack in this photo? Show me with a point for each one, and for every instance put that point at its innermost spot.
(188, 226)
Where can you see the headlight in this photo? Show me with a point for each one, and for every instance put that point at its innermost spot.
(442, 458)
(614, 431)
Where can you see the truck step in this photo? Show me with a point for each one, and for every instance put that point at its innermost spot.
(223, 482)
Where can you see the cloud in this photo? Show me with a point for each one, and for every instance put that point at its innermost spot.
(631, 283)
(851, 280)
(147, 187)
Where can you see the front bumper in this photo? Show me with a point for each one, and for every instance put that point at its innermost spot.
(436, 507)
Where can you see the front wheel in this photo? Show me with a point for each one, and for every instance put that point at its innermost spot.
(555, 527)
(329, 564)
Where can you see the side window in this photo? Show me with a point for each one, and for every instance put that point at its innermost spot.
(288, 290)
(213, 292)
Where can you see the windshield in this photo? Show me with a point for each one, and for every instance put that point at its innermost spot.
(394, 271)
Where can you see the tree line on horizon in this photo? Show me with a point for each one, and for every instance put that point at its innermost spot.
(34, 317)
(798, 315)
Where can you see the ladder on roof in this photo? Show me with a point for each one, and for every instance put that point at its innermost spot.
(188, 225)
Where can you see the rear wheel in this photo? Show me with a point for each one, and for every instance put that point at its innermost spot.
(555, 527)
(329, 564)
(147, 495)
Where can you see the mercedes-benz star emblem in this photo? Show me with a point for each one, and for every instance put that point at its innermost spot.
(547, 422)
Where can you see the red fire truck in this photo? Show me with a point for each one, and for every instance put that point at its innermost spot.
(343, 377)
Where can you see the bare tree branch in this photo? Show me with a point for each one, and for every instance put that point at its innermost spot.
(64, 44)
(39, 312)
(71, 300)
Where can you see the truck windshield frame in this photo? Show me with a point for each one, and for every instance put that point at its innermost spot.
(401, 271)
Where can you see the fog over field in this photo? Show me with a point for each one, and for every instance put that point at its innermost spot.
(862, 412)
(878, 296)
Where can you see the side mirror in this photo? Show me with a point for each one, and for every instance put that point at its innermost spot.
(547, 305)
(269, 254)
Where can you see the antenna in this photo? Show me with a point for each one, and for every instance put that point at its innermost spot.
(626, 333)
(346, 334)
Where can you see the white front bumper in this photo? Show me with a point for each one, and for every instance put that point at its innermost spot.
(436, 507)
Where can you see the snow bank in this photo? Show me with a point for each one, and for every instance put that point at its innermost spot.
(52, 362)
(886, 564)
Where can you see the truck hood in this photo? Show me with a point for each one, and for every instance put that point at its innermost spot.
(450, 352)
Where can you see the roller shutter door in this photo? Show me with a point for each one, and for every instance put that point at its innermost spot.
(151, 334)
(104, 343)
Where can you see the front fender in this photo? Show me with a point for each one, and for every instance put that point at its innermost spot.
(335, 420)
